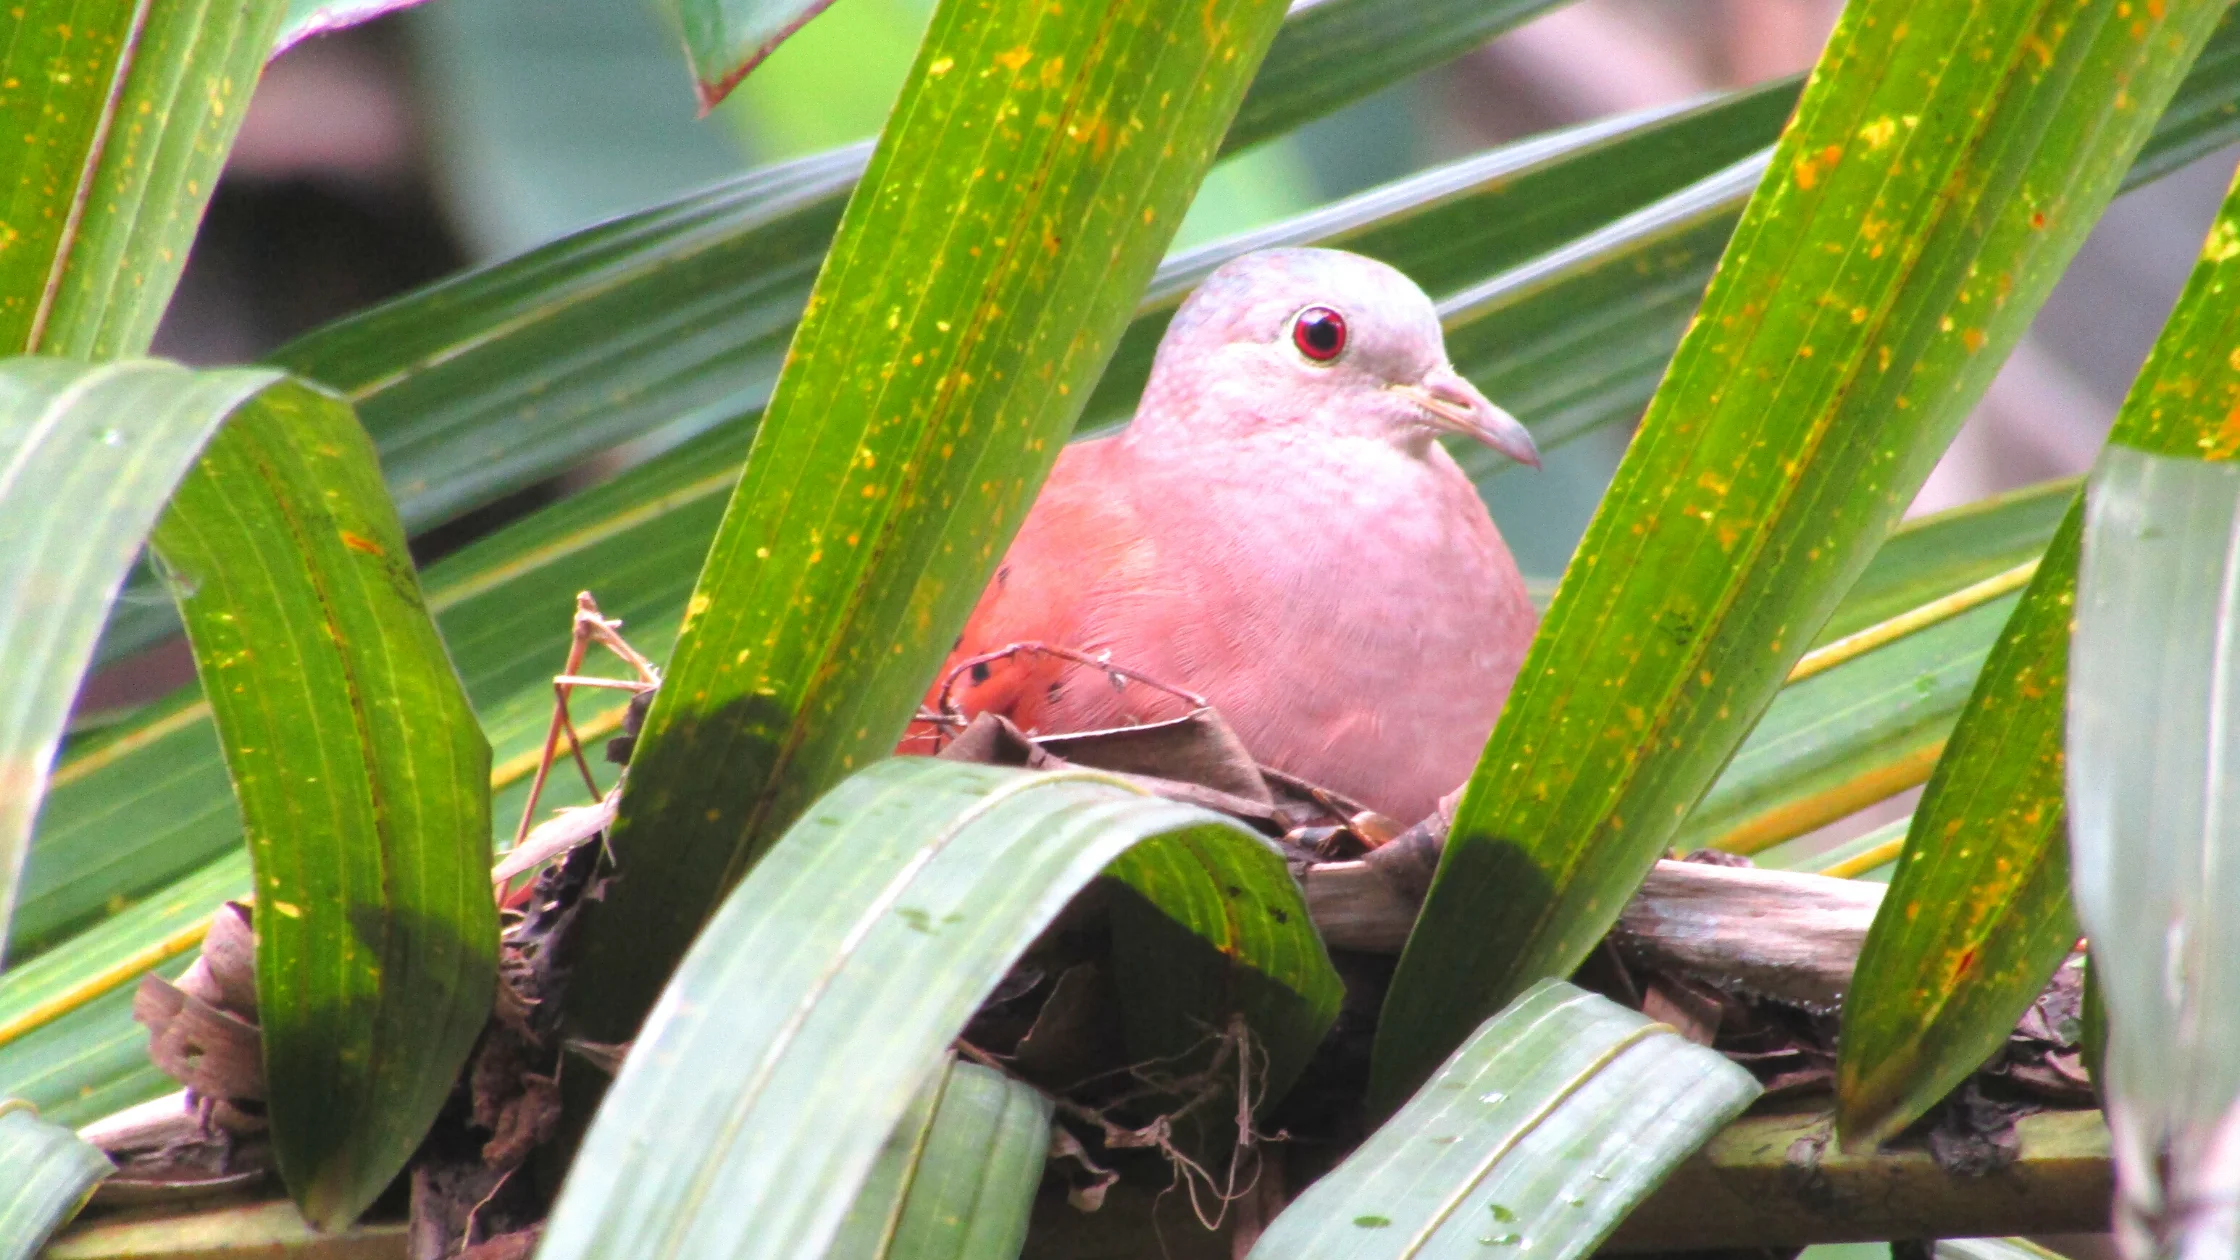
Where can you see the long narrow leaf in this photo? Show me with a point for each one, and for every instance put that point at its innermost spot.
(89, 1063)
(1837, 742)
(50, 1173)
(956, 1179)
(1536, 1137)
(68, 1042)
(87, 461)
(969, 301)
(1943, 166)
(2151, 773)
(274, 1230)
(973, 1181)
(363, 783)
(1931, 557)
(1978, 915)
(1874, 724)
(113, 155)
(867, 936)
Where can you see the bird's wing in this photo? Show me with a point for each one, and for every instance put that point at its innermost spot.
(1082, 543)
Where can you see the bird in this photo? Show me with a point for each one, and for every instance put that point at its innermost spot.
(1277, 530)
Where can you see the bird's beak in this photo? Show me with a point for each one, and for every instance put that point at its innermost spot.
(1455, 406)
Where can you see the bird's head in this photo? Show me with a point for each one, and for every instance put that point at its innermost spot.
(1318, 340)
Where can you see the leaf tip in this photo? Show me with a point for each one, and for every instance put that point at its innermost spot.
(712, 89)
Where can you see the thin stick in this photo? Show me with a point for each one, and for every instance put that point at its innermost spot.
(577, 642)
(589, 627)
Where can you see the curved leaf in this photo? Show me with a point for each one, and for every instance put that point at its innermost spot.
(1943, 165)
(866, 936)
(50, 1173)
(87, 461)
(1978, 916)
(970, 299)
(362, 779)
(1538, 1135)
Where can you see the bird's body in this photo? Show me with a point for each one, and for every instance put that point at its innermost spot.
(1282, 537)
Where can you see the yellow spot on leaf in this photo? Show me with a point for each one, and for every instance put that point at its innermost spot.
(1809, 166)
(2224, 242)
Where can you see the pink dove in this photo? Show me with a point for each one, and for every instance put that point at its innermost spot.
(1278, 531)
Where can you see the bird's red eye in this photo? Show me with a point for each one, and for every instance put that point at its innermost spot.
(1320, 333)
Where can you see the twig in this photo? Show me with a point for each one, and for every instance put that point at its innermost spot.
(589, 627)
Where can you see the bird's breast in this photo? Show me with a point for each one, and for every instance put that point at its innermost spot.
(1356, 618)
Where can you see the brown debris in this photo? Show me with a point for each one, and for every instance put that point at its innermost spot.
(209, 1138)
(225, 975)
(212, 1053)
(172, 1150)
(203, 1030)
